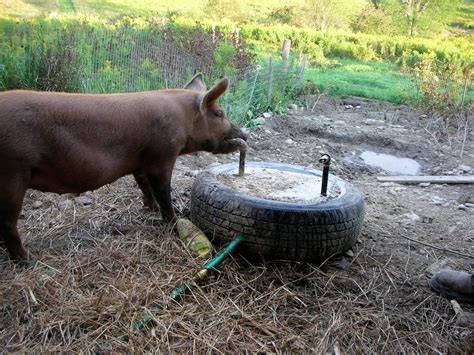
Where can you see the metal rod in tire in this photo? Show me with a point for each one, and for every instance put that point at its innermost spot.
(326, 160)
(242, 145)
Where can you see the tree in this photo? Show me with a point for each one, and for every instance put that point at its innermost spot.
(376, 21)
(230, 9)
(427, 15)
(376, 3)
(414, 9)
(325, 14)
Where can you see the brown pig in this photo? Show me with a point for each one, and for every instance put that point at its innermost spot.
(59, 142)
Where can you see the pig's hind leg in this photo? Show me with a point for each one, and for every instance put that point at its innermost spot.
(160, 182)
(12, 192)
(148, 199)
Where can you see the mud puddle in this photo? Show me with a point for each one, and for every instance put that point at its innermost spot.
(391, 163)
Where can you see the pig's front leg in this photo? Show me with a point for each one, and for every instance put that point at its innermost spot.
(161, 185)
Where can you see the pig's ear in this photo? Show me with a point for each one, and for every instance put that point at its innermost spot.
(196, 83)
(213, 94)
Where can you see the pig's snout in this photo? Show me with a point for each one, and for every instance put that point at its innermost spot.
(243, 134)
(236, 132)
(239, 143)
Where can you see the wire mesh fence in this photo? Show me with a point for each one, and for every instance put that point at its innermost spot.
(77, 57)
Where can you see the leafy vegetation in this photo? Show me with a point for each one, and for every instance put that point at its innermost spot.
(381, 49)
(402, 17)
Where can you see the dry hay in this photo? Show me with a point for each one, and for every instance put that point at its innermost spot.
(102, 266)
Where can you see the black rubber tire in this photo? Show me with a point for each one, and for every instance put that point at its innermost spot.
(274, 229)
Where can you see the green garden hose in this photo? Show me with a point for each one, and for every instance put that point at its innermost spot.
(177, 294)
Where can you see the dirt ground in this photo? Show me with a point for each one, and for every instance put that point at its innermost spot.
(103, 261)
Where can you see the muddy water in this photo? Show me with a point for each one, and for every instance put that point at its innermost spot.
(277, 185)
(391, 163)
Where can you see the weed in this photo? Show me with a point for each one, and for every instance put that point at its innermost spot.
(442, 85)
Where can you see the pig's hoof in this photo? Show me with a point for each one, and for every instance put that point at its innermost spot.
(26, 264)
(151, 206)
(170, 219)
(23, 258)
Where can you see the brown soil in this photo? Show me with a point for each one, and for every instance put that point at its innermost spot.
(103, 262)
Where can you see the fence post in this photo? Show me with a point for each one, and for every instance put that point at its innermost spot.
(270, 81)
(285, 53)
(251, 93)
(302, 69)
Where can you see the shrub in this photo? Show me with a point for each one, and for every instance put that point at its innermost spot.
(441, 84)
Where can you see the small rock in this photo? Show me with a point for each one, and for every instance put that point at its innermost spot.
(64, 204)
(424, 184)
(469, 205)
(293, 107)
(427, 219)
(268, 132)
(348, 106)
(192, 173)
(437, 200)
(462, 207)
(358, 106)
(466, 199)
(83, 200)
(397, 126)
(349, 253)
(465, 319)
(436, 267)
(399, 188)
(370, 121)
(259, 121)
(410, 217)
(343, 263)
(267, 115)
(37, 204)
(289, 141)
(465, 168)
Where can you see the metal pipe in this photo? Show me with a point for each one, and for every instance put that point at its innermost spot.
(243, 153)
(326, 160)
(243, 147)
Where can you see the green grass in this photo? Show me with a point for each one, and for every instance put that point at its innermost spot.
(66, 6)
(373, 80)
(465, 16)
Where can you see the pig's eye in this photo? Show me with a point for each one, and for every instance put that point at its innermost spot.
(219, 113)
